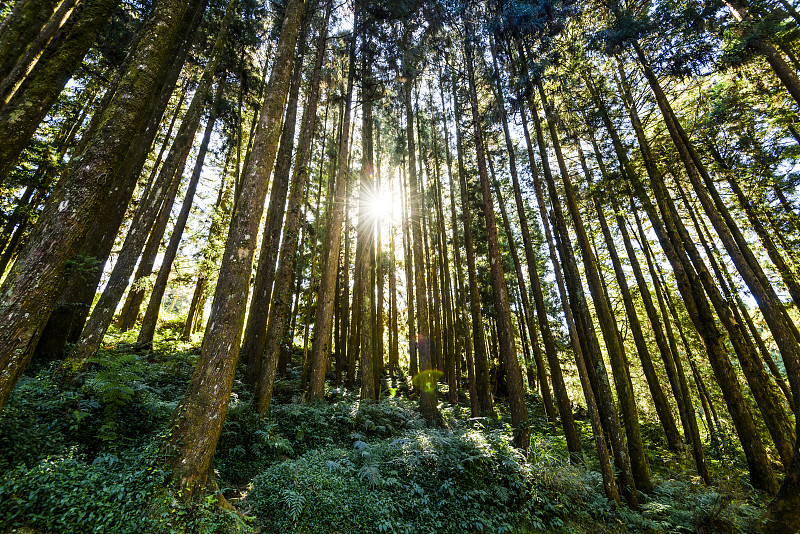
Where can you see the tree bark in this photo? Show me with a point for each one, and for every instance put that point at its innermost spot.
(505, 334)
(31, 289)
(197, 421)
(255, 330)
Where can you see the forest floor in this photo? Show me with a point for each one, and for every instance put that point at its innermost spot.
(85, 458)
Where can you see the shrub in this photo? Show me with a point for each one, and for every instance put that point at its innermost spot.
(110, 494)
(426, 480)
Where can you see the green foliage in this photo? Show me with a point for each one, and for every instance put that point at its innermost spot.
(68, 494)
(420, 480)
(90, 464)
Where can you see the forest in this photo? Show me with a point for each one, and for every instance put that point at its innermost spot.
(399, 266)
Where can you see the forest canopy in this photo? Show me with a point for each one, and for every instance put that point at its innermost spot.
(511, 265)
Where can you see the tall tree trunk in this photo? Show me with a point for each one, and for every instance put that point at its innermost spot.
(671, 363)
(460, 312)
(284, 276)
(20, 27)
(763, 389)
(785, 73)
(449, 340)
(133, 302)
(512, 165)
(516, 390)
(781, 325)
(333, 237)
(197, 421)
(409, 268)
(606, 469)
(484, 394)
(30, 290)
(426, 384)
(255, 330)
(596, 373)
(211, 254)
(559, 386)
(616, 351)
(150, 319)
(659, 399)
(365, 237)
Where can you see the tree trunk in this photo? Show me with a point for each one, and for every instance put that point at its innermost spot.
(330, 250)
(484, 394)
(255, 330)
(460, 312)
(365, 237)
(559, 387)
(130, 310)
(606, 469)
(67, 320)
(675, 241)
(516, 390)
(596, 373)
(284, 276)
(197, 421)
(20, 27)
(30, 290)
(10, 82)
(150, 319)
(763, 389)
(659, 399)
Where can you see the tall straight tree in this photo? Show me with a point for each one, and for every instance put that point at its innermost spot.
(279, 308)
(29, 292)
(427, 395)
(197, 421)
(323, 318)
(616, 351)
(678, 246)
(505, 333)
(255, 330)
(485, 400)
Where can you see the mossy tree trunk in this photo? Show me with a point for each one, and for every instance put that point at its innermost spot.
(197, 421)
(255, 329)
(285, 273)
(323, 317)
(31, 289)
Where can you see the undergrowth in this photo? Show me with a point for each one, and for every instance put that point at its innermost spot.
(84, 457)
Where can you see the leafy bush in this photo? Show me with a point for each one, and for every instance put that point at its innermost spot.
(110, 494)
(33, 424)
(248, 444)
(426, 480)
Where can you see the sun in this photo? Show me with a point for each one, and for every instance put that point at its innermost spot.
(380, 205)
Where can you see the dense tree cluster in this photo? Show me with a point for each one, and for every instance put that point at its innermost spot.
(591, 201)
